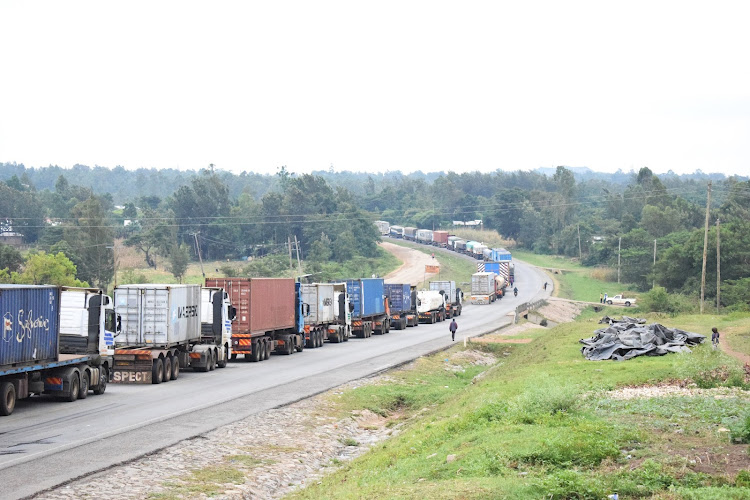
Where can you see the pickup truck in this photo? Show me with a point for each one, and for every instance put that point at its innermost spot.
(619, 300)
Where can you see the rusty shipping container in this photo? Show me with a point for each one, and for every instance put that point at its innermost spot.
(440, 238)
(31, 319)
(263, 304)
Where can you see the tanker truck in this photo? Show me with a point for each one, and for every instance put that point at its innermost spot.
(431, 306)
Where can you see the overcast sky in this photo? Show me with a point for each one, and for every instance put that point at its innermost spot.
(376, 86)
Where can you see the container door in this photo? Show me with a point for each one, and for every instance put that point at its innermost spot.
(155, 315)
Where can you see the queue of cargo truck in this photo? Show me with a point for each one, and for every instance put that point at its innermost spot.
(65, 342)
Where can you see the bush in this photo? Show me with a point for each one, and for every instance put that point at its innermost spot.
(659, 300)
(740, 433)
(572, 484)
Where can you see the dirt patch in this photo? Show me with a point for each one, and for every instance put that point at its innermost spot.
(560, 311)
(412, 269)
(474, 358)
(659, 391)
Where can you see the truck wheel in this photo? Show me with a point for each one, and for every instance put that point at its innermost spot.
(256, 350)
(223, 362)
(627, 304)
(320, 338)
(215, 358)
(267, 350)
(7, 398)
(301, 345)
(175, 367)
(609, 302)
(157, 371)
(75, 386)
(103, 379)
(167, 369)
(290, 346)
(83, 388)
(209, 360)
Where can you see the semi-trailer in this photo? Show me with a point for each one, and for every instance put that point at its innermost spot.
(55, 341)
(424, 236)
(431, 306)
(485, 287)
(368, 306)
(325, 310)
(383, 226)
(440, 238)
(499, 268)
(269, 316)
(453, 296)
(401, 299)
(396, 232)
(161, 331)
(410, 233)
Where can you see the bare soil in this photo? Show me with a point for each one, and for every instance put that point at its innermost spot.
(412, 267)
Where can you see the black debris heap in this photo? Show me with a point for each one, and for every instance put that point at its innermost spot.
(630, 337)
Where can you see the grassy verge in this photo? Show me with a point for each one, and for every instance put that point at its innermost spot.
(543, 425)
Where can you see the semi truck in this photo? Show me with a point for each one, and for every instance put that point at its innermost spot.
(368, 306)
(56, 341)
(396, 232)
(383, 226)
(161, 331)
(269, 316)
(424, 236)
(453, 296)
(486, 287)
(410, 233)
(401, 300)
(440, 238)
(325, 310)
(431, 306)
(502, 269)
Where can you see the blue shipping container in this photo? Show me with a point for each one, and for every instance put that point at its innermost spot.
(399, 296)
(31, 320)
(366, 295)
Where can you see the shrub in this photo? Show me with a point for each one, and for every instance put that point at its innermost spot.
(659, 300)
(572, 484)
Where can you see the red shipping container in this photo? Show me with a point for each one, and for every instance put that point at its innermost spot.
(263, 304)
(440, 238)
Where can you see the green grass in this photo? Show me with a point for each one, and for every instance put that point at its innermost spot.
(540, 425)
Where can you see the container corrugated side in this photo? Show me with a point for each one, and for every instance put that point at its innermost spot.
(158, 315)
(449, 287)
(31, 324)
(482, 283)
(319, 297)
(440, 237)
(399, 296)
(263, 304)
(373, 296)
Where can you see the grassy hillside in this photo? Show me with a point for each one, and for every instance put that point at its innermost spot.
(544, 423)
(452, 266)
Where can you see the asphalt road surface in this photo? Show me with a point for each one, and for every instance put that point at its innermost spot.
(46, 443)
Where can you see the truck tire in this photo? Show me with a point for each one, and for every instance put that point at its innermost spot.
(83, 387)
(175, 367)
(75, 386)
(7, 398)
(266, 350)
(167, 369)
(209, 360)
(627, 304)
(157, 371)
(103, 380)
(256, 350)
(223, 362)
(609, 302)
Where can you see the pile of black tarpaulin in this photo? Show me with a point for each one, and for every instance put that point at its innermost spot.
(630, 337)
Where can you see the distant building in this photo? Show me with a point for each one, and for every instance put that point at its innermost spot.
(11, 239)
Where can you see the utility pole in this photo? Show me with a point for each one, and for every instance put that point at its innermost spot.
(653, 283)
(619, 248)
(705, 248)
(299, 266)
(580, 255)
(289, 246)
(718, 264)
(200, 257)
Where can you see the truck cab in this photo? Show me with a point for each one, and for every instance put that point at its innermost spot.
(217, 314)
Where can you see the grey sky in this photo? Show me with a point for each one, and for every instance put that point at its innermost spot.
(376, 86)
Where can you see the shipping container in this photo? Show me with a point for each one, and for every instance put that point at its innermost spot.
(319, 298)
(460, 245)
(440, 238)
(262, 304)
(483, 288)
(158, 315)
(410, 233)
(366, 295)
(383, 226)
(424, 236)
(470, 246)
(449, 287)
(31, 316)
(500, 255)
(399, 296)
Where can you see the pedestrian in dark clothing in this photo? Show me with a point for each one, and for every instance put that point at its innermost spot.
(715, 337)
(601, 298)
(545, 285)
(453, 327)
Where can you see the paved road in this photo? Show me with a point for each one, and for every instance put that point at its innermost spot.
(69, 440)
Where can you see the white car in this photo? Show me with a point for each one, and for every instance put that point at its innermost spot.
(619, 300)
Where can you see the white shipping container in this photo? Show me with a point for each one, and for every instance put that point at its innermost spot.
(158, 315)
(320, 299)
(482, 283)
(448, 286)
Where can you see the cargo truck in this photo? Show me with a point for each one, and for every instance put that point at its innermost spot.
(55, 341)
(325, 309)
(396, 232)
(161, 331)
(500, 268)
(368, 306)
(424, 236)
(410, 233)
(440, 238)
(383, 226)
(431, 306)
(485, 287)
(453, 296)
(269, 316)
(401, 300)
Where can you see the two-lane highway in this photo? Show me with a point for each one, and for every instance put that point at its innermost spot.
(45, 442)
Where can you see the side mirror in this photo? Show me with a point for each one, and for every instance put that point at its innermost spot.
(119, 324)
(232, 313)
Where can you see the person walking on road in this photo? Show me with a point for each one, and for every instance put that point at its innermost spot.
(715, 337)
(453, 327)
(545, 285)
